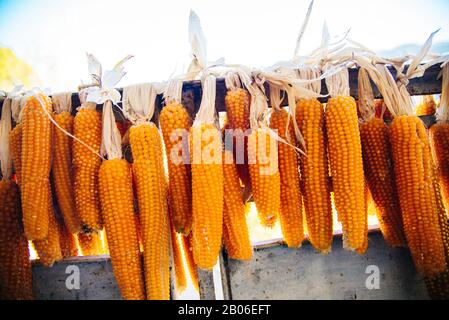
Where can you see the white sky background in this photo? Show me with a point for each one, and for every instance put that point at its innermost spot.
(53, 36)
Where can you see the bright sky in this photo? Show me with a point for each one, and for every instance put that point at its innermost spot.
(53, 36)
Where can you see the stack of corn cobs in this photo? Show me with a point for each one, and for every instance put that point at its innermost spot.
(190, 178)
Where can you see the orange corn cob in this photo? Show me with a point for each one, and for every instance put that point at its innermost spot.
(346, 164)
(148, 169)
(87, 128)
(15, 265)
(180, 272)
(15, 147)
(291, 198)
(67, 241)
(207, 196)
(439, 139)
(62, 172)
(90, 243)
(379, 173)
(314, 172)
(117, 205)
(174, 119)
(235, 229)
(265, 177)
(427, 107)
(415, 178)
(187, 248)
(36, 163)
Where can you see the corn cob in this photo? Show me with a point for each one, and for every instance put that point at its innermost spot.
(235, 229)
(439, 139)
(415, 178)
(36, 163)
(62, 172)
(49, 249)
(291, 199)
(148, 169)
(187, 248)
(90, 243)
(87, 128)
(346, 164)
(15, 265)
(15, 147)
(175, 120)
(427, 107)
(265, 177)
(67, 241)
(180, 272)
(379, 173)
(116, 199)
(314, 172)
(207, 195)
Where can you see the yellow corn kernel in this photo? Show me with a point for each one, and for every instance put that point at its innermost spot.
(314, 174)
(116, 198)
(207, 195)
(36, 163)
(235, 229)
(439, 139)
(15, 147)
(415, 181)
(346, 164)
(174, 121)
(291, 199)
(63, 173)
(151, 189)
(265, 177)
(90, 243)
(87, 128)
(379, 173)
(15, 265)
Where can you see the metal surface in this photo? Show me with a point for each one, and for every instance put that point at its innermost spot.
(281, 273)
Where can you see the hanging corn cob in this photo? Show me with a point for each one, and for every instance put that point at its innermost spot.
(35, 166)
(151, 187)
(67, 241)
(379, 171)
(235, 229)
(346, 165)
(291, 218)
(175, 123)
(15, 265)
(314, 168)
(62, 162)
(427, 107)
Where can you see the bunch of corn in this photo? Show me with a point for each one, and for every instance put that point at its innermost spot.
(15, 265)
(235, 229)
(87, 128)
(291, 218)
(62, 162)
(90, 243)
(346, 164)
(175, 123)
(15, 147)
(314, 173)
(427, 107)
(67, 241)
(149, 174)
(35, 166)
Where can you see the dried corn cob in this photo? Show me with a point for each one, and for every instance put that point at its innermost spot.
(235, 229)
(265, 177)
(148, 169)
(87, 128)
(427, 107)
(36, 163)
(15, 265)
(314, 172)
(90, 243)
(62, 172)
(117, 205)
(180, 272)
(415, 174)
(207, 194)
(291, 199)
(379, 173)
(439, 139)
(175, 121)
(67, 241)
(15, 147)
(346, 164)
